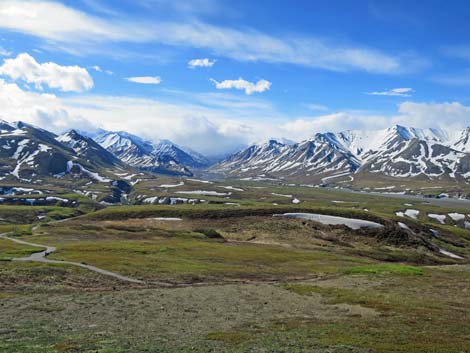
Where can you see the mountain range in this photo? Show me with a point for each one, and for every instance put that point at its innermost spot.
(397, 152)
(28, 152)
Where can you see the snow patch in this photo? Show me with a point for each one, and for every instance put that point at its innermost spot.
(452, 255)
(205, 192)
(441, 218)
(333, 220)
(457, 216)
(171, 185)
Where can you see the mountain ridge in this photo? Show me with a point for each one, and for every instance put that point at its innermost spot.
(435, 153)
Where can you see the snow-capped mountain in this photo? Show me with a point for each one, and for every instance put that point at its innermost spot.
(161, 157)
(87, 148)
(462, 141)
(398, 151)
(28, 152)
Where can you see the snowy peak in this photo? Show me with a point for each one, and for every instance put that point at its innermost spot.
(119, 142)
(319, 156)
(398, 151)
(88, 149)
(462, 142)
(362, 142)
(160, 157)
(27, 152)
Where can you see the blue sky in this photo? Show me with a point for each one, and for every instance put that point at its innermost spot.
(262, 68)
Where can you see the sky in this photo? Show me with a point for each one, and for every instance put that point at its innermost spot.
(215, 75)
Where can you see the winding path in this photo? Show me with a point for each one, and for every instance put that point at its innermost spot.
(40, 256)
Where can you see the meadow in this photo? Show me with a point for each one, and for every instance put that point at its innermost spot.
(226, 276)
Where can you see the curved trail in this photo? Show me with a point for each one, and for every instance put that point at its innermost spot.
(40, 256)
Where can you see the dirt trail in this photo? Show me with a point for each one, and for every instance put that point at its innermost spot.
(40, 256)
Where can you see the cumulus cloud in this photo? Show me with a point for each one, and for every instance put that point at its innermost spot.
(303, 128)
(146, 80)
(394, 92)
(65, 78)
(241, 84)
(66, 26)
(210, 123)
(450, 116)
(41, 109)
(447, 115)
(192, 64)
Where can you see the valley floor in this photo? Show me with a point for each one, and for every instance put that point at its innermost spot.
(230, 277)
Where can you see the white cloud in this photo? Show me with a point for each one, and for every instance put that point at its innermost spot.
(306, 127)
(210, 123)
(192, 64)
(4, 52)
(101, 70)
(96, 68)
(241, 84)
(204, 129)
(41, 109)
(447, 115)
(146, 80)
(66, 26)
(65, 78)
(395, 92)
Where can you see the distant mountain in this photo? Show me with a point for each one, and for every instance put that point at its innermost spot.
(462, 141)
(399, 151)
(87, 148)
(28, 152)
(161, 157)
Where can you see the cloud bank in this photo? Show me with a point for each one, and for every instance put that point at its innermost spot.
(67, 26)
(65, 78)
(210, 123)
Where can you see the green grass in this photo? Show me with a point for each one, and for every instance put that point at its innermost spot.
(183, 258)
(385, 269)
(399, 307)
(10, 250)
(31, 214)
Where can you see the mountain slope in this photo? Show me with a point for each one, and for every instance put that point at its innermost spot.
(162, 157)
(88, 149)
(400, 152)
(28, 153)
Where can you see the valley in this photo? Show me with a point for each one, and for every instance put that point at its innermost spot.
(222, 274)
(113, 244)
(213, 176)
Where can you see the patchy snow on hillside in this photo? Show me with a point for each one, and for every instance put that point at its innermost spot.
(457, 216)
(441, 218)
(352, 223)
(205, 192)
(171, 185)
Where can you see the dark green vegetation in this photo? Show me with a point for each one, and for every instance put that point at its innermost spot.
(229, 277)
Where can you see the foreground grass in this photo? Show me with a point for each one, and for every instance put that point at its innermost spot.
(385, 268)
(363, 293)
(10, 250)
(386, 312)
(188, 259)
